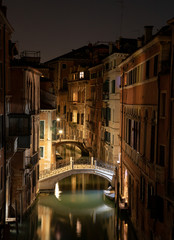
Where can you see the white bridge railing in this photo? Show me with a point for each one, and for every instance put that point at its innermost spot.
(83, 163)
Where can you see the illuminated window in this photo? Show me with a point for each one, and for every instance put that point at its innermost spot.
(75, 97)
(75, 116)
(82, 75)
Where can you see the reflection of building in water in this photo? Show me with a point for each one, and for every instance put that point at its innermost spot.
(44, 216)
(68, 150)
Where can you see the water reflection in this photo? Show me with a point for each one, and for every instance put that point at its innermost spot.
(80, 213)
(69, 150)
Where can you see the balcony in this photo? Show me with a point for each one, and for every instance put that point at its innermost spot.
(12, 144)
(34, 158)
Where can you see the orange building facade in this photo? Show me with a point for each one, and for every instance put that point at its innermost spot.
(144, 136)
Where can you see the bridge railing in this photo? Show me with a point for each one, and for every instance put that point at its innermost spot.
(105, 165)
(69, 164)
(82, 160)
(54, 166)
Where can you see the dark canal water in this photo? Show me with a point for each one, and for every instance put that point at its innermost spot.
(79, 212)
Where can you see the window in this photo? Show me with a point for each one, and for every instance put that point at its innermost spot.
(128, 131)
(82, 119)
(71, 116)
(58, 108)
(42, 130)
(142, 188)
(150, 193)
(162, 155)
(64, 109)
(108, 116)
(75, 97)
(54, 129)
(152, 145)
(75, 116)
(78, 118)
(113, 86)
(106, 90)
(64, 66)
(155, 70)
(1, 131)
(41, 152)
(81, 75)
(1, 178)
(163, 105)
(147, 69)
(107, 136)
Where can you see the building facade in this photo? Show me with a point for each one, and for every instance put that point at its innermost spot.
(111, 108)
(145, 129)
(23, 106)
(6, 47)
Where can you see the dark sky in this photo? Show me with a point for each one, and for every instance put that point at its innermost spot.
(55, 27)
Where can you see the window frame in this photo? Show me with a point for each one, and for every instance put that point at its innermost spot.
(43, 130)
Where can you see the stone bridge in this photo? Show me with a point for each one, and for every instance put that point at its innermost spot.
(81, 145)
(62, 169)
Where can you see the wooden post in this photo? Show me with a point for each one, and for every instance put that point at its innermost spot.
(16, 215)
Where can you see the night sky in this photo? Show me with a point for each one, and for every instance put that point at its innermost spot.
(56, 27)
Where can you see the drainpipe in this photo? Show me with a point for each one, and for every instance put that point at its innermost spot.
(158, 113)
(171, 106)
(4, 126)
(121, 165)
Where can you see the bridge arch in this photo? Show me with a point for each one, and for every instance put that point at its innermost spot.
(48, 180)
(80, 145)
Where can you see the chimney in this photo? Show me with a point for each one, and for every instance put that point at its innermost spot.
(148, 33)
(110, 48)
(139, 42)
(118, 44)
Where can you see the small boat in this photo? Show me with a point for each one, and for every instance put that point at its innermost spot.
(110, 193)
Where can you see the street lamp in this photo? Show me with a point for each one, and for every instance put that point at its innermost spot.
(60, 132)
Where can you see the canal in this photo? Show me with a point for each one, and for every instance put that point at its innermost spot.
(78, 211)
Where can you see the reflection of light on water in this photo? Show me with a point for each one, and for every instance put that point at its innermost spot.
(78, 228)
(71, 219)
(44, 216)
(57, 192)
(125, 231)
